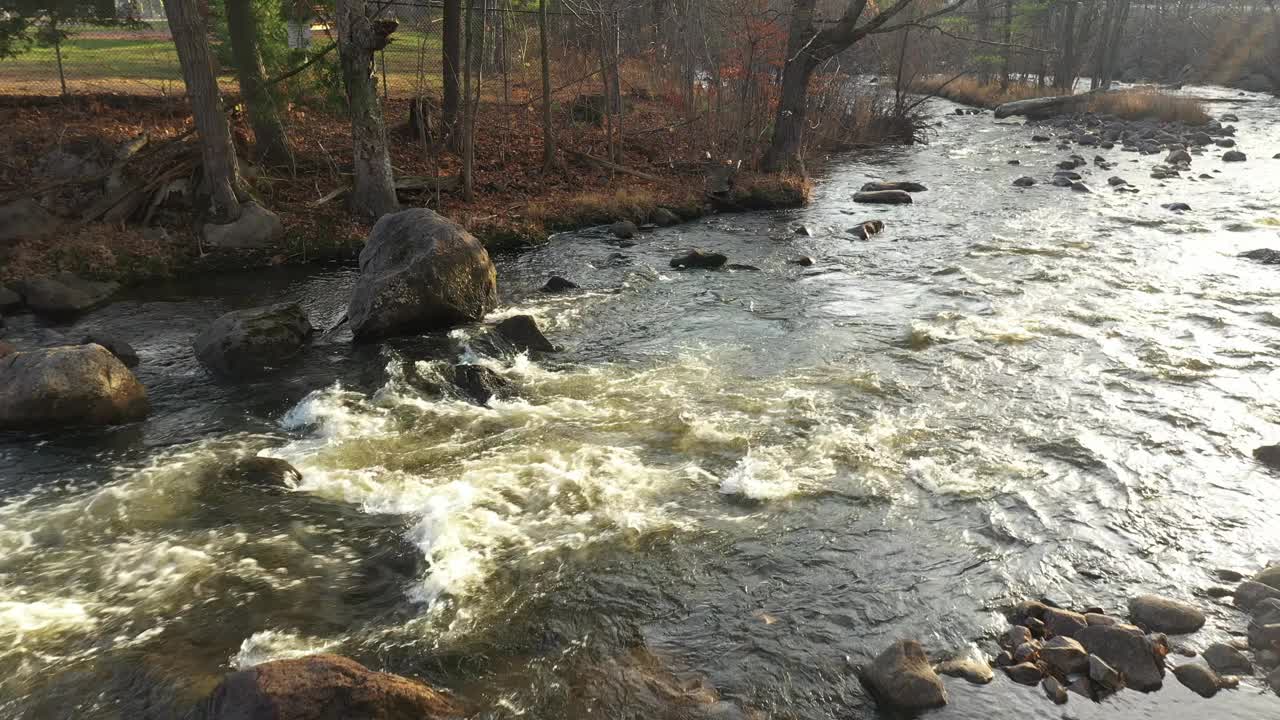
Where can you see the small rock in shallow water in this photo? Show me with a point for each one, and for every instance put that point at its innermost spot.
(901, 678)
(903, 185)
(1014, 637)
(1266, 256)
(1127, 650)
(1040, 138)
(624, 229)
(1250, 594)
(804, 261)
(1199, 679)
(1054, 690)
(1103, 674)
(890, 197)
(805, 231)
(523, 332)
(1015, 162)
(742, 266)
(973, 670)
(1024, 673)
(1268, 455)
(1024, 181)
(1176, 207)
(662, 217)
(1227, 575)
(1234, 156)
(1061, 181)
(1227, 660)
(1217, 592)
(866, 229)
(1063, 622)
(114, 345)
(1116, 180)
(1026, 652)
(559, 284)
(699, 259)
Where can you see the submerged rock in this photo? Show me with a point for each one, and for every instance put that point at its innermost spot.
(1161, 614)
(699, 259)
(1227, 660)
(1266, 256)
(865, 230)
(1198, 678)
(663, 217)
(68, 386)
(1176, 207)
(114, 345)
(1054, 690)
(244, 343)
(1127, 650)
(1024, 673)
(1234, 156)
(1024, 181)
(478, 383)
(890, 197)
(64, 294)
(323, 687)
(1249, 594)
(901, 678)
(903, 185)
(420, 272)
(263, 471)
(557, 284)
(523, 333)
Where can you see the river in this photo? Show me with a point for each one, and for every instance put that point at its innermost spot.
(761, 477)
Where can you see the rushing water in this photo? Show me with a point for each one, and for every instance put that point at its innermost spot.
(762, 477)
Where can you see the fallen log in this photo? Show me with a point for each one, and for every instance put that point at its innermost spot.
(614, 166)
(1044, 106)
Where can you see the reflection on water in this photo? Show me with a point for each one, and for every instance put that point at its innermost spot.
(763, 476)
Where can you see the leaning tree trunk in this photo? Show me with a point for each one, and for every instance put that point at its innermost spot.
(788, 128)
(218, 154)
(359, 37)
(450, 64)
(268, 133)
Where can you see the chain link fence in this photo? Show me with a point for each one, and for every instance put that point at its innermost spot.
(140, 59)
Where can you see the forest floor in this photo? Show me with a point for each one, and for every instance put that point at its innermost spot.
(515, 203)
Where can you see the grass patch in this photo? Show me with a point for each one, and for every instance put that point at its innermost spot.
(1150, 104)
(968, 91)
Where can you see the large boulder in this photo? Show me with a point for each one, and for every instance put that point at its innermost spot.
(901, 678)
(25, 219)
(256, 228)
(71, 385)
(323, 687)
(420, 271)
(1161, 614)
(1127, 650)
(243, 343)
(64, 294)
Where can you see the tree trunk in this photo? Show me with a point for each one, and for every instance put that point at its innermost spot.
(1006, 58)
(451, 63)
(788, 127)
(1065, 76)
(359, 37)
(270, 142)
(548, 137)
(218, 154)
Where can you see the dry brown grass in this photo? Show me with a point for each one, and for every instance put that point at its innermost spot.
(1150, 104)
(968, 91)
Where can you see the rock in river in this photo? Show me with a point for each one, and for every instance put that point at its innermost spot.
(1266, 256)
(244, 343)
(1176, 207)
(65, 386)
(1198, 678)
(1161, 614)
(1024, 181)
(1234, 156)
(624, 229)
(905, 186)
(1063, 622)
(699, 259)
(889, 197)
(901, 678)
(420, 271)
(1227, 660)
(114, 345)
(1103, 674)
(1126, 649)
(522, 331)
(64, 294)
(975, 671)
(323, 687)
(558, 284)
(1064, 655)
(1054, 690)
(1249, 594)
(663, 217)
(867, 229)
(1024, 673)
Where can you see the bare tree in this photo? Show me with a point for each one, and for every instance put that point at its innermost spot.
(360, 35)
(548, 136)
(218, 154)
(807, 48)
(451, 65)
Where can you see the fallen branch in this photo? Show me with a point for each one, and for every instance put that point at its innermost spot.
(614, 166)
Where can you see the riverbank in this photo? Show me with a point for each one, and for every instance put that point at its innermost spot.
(516, 205)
